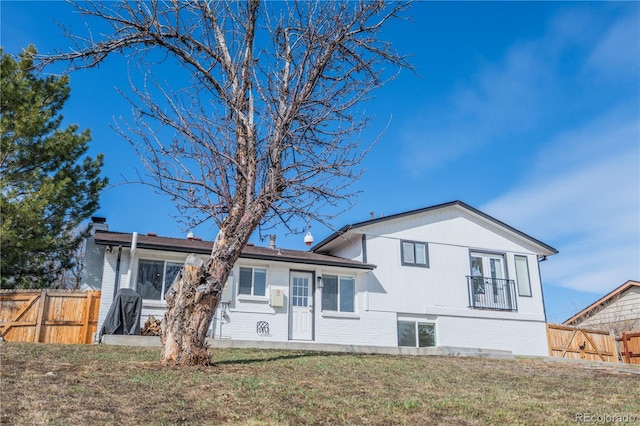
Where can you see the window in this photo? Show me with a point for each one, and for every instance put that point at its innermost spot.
(408, 330)
(300, 291)
(155, 278)
(484, 266)
(253, 281)
(414, 253)
(489, 287)
(338, 293)
(522, 275)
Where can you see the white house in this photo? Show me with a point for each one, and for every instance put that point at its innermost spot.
(446, 275)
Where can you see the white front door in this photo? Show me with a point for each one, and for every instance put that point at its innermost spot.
(301, 306)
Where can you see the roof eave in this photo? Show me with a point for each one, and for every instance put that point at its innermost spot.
(604, 299)
(243, 255)
(283, 258)
(549, 250)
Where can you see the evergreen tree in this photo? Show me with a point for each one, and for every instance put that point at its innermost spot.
(48, 186)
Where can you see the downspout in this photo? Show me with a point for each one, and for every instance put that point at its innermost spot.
(365, 276)
(134, 243)
(132, 253)
(544, 306)
(364, 248)
(117, 284)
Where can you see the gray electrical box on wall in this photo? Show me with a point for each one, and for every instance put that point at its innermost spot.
(277, 298)
(227, 291)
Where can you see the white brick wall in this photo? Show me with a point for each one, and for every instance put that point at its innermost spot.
(93, 266)
(109, 280)
(520, 337)
(370, 329)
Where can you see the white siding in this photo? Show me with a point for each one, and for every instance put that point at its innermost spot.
(444, 283)
(441, 289)
(351, 250)
(452, 226)
(437, 294)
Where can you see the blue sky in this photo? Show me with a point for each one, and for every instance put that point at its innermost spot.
(529, 111)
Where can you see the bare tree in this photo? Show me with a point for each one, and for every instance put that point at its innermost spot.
(70, 276)
(266, 130)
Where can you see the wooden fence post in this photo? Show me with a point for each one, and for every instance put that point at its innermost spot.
(625, 345)
(87, 313)
(612, 336)
(40, 319)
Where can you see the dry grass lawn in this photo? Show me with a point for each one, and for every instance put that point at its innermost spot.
(97, 384)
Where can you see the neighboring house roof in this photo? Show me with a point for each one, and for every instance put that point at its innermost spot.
(594, 307)
(204, 247)
(545, 248)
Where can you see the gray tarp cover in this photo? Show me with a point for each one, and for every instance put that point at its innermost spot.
(124, 314)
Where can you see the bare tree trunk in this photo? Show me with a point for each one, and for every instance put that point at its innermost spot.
(189, 313)
(194, 297)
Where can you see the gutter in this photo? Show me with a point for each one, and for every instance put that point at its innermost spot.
(135, 244)
(308, 261)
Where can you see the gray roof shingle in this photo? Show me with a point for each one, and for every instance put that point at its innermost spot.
(198, 246)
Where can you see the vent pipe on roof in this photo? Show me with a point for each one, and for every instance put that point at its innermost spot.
(272, 242)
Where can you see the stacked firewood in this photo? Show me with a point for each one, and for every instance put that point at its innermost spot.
(152, 327)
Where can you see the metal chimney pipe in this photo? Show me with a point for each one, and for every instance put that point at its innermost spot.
(272, 241)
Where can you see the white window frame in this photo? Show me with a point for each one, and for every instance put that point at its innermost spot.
(414, 253)
(163, 290)
(338, 293)
(416, 325)
(252, 295)
(523, 278)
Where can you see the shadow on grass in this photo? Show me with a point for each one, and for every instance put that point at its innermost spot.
(272, 358)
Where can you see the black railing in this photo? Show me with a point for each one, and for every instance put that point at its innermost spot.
(492, 293)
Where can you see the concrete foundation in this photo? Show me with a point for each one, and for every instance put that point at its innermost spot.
(310, 346)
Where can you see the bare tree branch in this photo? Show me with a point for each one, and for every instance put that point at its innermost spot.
(264, 127)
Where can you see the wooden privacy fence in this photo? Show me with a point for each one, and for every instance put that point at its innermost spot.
(49, 316)
(578, 343)
(630, 347)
